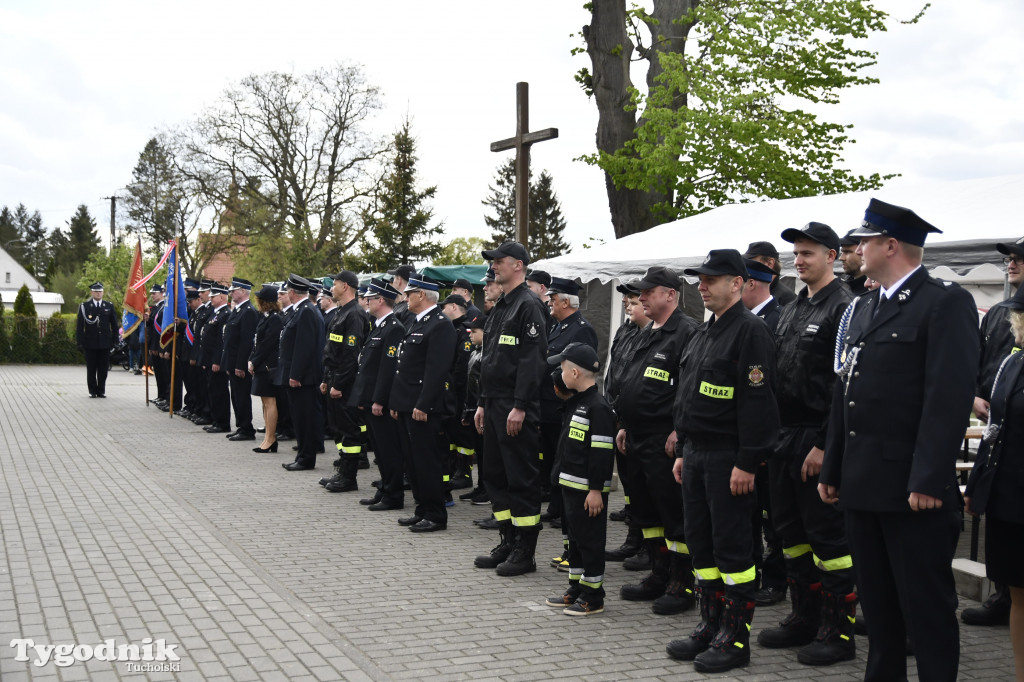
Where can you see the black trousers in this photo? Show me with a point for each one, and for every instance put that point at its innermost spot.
(220, 399)
(345, 426)
(587, 537)
(189, 378)
(549, 469)
(767, 544)
(512, 476)
(284, 411)
(813, 534)
(241, 401)
(421, 445)
(160, 372)
(176, 379)
(305, 417)
(718, 522)
(902, 563)
(390, 460)
(97, 363)
(653, 491)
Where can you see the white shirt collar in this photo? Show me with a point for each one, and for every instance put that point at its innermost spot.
(219, 307)
(760, 306)
(383, 317)
(420, 316)
(882, 291)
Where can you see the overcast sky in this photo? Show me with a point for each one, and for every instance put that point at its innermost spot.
(84, 85)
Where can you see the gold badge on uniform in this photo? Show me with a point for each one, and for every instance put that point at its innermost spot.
(391, 351)
(352, 340)
(755, 376)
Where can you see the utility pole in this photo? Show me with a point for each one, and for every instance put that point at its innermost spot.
(113, 210)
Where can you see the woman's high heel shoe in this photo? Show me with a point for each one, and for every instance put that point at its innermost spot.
(272, 448)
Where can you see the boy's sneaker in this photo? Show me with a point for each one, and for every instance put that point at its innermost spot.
(584, 608)
(564, 601)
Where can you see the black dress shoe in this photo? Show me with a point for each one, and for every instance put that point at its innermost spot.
(427, 526)
(385, 506)
(378, 496)
(215, 429)
(487, 524)
(295, 466)
(104, 395)
(272, 448)
(162, 408)
(233, 433)
(203, 421)
(242, 436)
(409, 520)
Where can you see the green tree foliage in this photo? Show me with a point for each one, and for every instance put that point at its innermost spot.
(5, 344)
(153, 197)
(23, 236)
(58, 346)
(83, 241)
(462, 251)
(547, 226)
(398, 228)
(113, 271)
(725, 116)
(23, 304)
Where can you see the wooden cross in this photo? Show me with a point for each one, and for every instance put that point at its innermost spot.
(521, 143)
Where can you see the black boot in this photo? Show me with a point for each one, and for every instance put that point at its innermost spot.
(678, 595)
(835, 639)
(801, 625)
(621, 515)
(521, 560)
(346, 480)
(501, 552)
(634, 540)
(731, 646)
(641, 561)
(697, 641)
(995, 610)
(652, 586)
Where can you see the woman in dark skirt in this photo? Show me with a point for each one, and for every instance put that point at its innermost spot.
(1004, 508)
(263, 362)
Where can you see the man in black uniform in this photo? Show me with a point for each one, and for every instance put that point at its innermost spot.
(400, 280)
(153, 325)
(95, 334)
(201, 409)
(851, 261)
(766, 253)
(896, 428)
(345, 338)
(727, 422)
(212, 356)
(512, 368)
(239, 334)
(757, 294)
(996, 343)
(819, 569)
(300, 369)
(462, 287)
(644, 407)
(461, 438)
(421, 397)
(371, 393)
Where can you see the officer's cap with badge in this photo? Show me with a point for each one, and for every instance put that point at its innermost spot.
(191, 284)
(489, 275)
(540, 277)
(217, 289)
(348, 277)
(239, 283)
(191, 295)
(1012, 249)
(298, 284)
(421, 283)
(886, 220)
(268, 292)
(156, 289)
(205, 284)
(96, 286)
(818, 232)
(378, 288)
(659, 276)
(456, 299)
(561, 285)
(757, 270)
(721, 262)
(510, 249)
(579, 354)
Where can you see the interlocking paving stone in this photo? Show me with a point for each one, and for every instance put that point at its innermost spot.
(120, 522)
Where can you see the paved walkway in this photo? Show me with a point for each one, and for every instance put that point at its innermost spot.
(120, 523)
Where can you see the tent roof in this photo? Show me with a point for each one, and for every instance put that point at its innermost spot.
(973, 215)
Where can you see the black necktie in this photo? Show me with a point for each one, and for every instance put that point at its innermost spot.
(883, 302)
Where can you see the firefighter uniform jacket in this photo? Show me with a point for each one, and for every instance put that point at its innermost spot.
(239, 334)
(586, 446)
(515, 344)
(197, 321)
(460, 371)
(423, 375)
(301, 350)
(97, 325)
(996, 343)
(726, 395)
(805, 352)
(213, 337)
(377, 361)
(345, 338)
(647, 386)
(621, 352)
(770, 313)
(898, 419)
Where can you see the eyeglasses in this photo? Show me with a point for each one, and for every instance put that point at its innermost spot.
(1019, 260)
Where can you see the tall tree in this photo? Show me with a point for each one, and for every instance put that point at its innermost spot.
(30, 229)
(547, 226)
(398, 226)
(83, 241)
(721, 120)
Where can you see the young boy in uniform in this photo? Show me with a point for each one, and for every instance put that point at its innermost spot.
(586, 451)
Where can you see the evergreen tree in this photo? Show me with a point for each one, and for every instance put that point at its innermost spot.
(82, 239)
(5, 344)
(398, 228)
(10, 237)
(23, 304)
(154, 196)
(33, 250)
(546, 227)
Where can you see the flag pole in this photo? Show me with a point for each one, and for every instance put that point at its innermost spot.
(174, 339)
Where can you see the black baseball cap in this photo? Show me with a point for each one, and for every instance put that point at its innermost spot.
(511, 249)
(477, 322)
(561, 285)
(763, 249)
(579, 354)
(894, 221)
(540, 277)
(462, 283)
(721, 262)
(348, 277)
(848, 239)
(403, 271)
(456, 299)
(628, 289)
(1013, 248)
(659, 276)
(819, 232)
